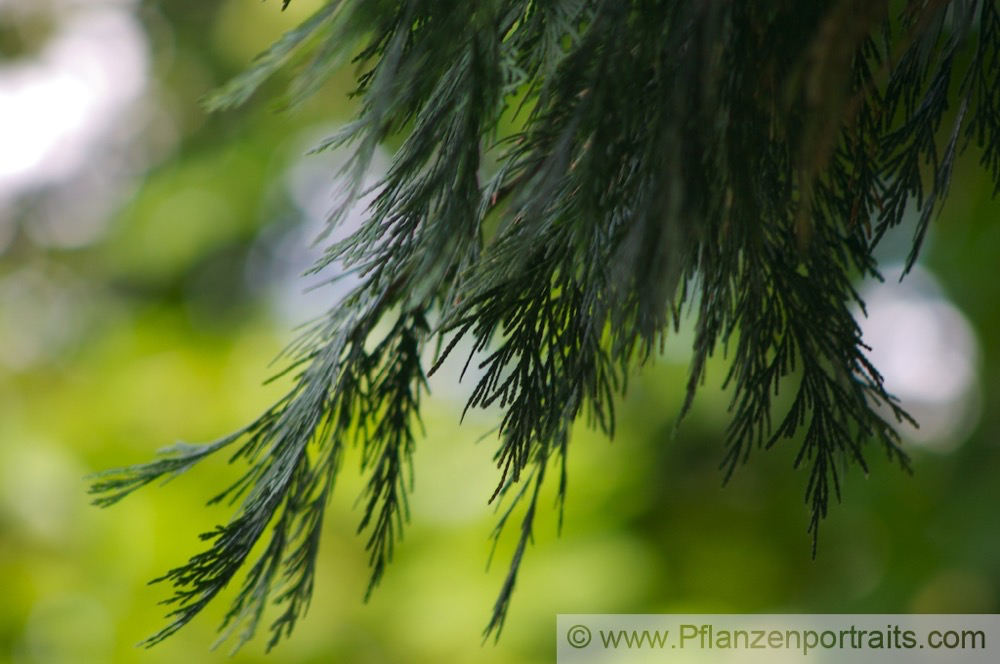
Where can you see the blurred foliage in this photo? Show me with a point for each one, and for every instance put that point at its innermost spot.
(114, 349)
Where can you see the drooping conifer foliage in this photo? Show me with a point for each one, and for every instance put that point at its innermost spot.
(739, 160)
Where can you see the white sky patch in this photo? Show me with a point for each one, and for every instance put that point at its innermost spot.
(59, 107)
(312, 182)
(927, 353)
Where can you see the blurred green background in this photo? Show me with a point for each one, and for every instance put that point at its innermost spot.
(149, 256)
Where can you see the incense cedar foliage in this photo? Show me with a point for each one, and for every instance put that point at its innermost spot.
(738, 160)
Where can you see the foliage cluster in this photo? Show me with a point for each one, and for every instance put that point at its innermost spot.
(739, 160)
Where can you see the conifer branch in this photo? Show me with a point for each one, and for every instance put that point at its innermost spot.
(735, 159)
